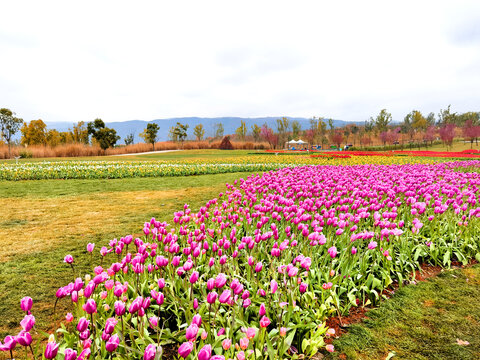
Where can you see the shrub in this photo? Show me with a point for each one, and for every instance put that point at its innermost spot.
(226, 144)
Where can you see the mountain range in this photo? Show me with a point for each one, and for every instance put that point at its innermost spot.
(230, 124)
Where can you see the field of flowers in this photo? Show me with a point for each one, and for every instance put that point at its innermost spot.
(128, 169)
(254, 273)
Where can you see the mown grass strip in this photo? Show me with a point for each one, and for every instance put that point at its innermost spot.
(421, 322)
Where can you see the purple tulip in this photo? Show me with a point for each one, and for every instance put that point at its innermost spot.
(112, 343)
(225, 296)
(82, 324)
(262, 310)
(220, 280)
(51, 350)
(24, 338)
(332, 252)
(210, 284)
(205, 352)
(110, 325)
(273, 286)
(191, 332)
(9, 343)
(70, 354)
(26, 304)
(197, 320)
(90, 306)
(28, 322)
(150, 352)
(90, 247)
(194, 277)
(87, 292)
(303, 287)
(185, 349)
(212, 297)
(119, 307)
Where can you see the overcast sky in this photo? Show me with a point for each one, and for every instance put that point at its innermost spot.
(73, 61)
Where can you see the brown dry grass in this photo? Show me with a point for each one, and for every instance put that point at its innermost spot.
(31, 225)
(77, 150)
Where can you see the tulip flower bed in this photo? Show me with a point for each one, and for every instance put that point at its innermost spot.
(127, 169)
(254, 273)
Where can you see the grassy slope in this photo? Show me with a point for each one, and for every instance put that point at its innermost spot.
(33, 265)
(421, 322)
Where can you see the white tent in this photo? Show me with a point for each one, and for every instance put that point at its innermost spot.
(292, 142)
(301, 142)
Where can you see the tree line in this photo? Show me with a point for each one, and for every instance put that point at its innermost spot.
(415, 127)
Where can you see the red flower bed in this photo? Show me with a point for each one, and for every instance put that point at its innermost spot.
(444, 154)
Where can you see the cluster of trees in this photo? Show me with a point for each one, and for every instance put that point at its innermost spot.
(415, 128)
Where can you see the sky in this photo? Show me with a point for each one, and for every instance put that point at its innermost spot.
(347, 60)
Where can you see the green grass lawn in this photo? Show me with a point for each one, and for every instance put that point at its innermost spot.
(47, 219)
(421, 322)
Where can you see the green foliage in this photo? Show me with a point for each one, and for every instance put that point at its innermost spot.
(180, 131)
(105, 137)
(383, 119)
(129, 139)
(150, 134)
(34, 133)
(421, 322)
(242, 130)
(218, 130)
(199, 132)
(9, 125)
(80, 133)
(256, 132)
(296, 129)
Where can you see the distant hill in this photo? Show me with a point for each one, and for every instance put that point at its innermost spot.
(230, 124)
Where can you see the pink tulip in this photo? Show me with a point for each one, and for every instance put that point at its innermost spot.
(303, 287)
(194, 277)
(191, 332)
(112, 343)
(69, 317)
(185, 349)
(197, 320)
(332, 252)
(90, 247)
(244, 343)
(262, 310)
(70, 354)
(110, 325)
(225, 296)
(26, 304)
(264, 321)
(119, 308)
(251, 333)
(51, 350)
(258, 267)
(68, 259)
(220, 280)
(82, 324)
(273, 286)
(28, 322)
(212, 297)
(150, 352)
(205, 353)
(90, 306)
(24, 338)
